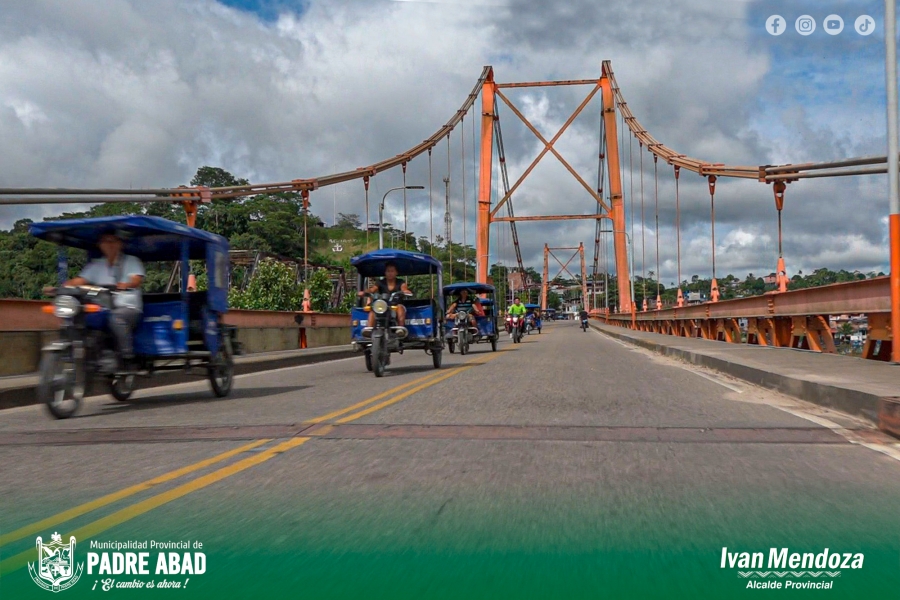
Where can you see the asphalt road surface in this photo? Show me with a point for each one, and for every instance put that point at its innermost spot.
(569, 465)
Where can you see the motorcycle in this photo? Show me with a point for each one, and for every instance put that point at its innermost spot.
(529, 324)
(386, 335)
(86, 347)
(516, 323)
(584, 324)
(463, 331)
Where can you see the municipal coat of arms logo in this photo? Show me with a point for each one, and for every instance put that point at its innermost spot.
(55, 569)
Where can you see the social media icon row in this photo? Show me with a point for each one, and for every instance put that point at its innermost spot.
(833, 25)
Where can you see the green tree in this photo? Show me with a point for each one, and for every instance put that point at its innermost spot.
(273, 287)
(320, 290)
(348, 221)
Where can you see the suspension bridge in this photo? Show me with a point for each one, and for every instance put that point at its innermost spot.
(663, 421)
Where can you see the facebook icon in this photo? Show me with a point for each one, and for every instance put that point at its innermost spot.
(775, 25)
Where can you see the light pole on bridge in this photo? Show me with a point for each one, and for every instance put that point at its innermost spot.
(890, 68)
(381, 210)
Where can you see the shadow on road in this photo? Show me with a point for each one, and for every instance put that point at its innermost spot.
(200, 397)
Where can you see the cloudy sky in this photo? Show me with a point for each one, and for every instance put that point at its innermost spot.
(140, 94)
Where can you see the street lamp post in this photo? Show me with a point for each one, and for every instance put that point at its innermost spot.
(890, 44)
(381, 210)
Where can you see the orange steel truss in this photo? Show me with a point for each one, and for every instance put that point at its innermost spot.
(614, 210)
(545, 282)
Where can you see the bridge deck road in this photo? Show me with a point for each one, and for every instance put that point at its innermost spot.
(569, 465)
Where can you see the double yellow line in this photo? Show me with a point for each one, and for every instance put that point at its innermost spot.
(129, 512)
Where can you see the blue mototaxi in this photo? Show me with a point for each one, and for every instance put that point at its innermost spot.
(533, 314)
(488, 330)
(178, 331)
(424, 316)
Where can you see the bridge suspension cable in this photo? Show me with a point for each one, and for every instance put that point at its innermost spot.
(504, 176)
(631, 201)
(430, 206)
(714, 285)
(656, 210)
(643, 229)
(462, 145)
(677, 170)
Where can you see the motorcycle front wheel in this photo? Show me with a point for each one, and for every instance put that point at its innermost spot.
(121, 388)
(61, 386)
(379, 358)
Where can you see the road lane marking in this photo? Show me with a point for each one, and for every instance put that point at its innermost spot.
(889, 450)
(124, 493)
(129, 512)
(92, 529)
(724, 384)
(393, 390)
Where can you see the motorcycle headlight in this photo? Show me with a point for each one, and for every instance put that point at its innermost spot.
(380, 307)
(66, 307)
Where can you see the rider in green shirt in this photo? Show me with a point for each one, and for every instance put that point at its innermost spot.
(517, 308)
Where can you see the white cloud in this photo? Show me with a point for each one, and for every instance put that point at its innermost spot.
(128, 93)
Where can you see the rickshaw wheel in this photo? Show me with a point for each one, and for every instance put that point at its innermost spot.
(221, 375)
(368, 361)
(56, 388)
(121, 388)
(436, 358)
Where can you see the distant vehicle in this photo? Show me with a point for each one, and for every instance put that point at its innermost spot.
(487, 330)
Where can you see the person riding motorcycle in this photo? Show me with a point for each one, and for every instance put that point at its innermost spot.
(583, 315)
(470, 305)
(517, 309)
(388, 285)
(126, 272)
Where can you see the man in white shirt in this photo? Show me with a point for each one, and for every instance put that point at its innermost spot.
(126, 272)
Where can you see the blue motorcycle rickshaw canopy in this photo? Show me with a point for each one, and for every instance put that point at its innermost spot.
(154, 239)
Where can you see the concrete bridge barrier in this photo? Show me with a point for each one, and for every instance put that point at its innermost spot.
(24, 329)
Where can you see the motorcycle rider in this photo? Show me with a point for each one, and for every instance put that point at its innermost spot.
(126, 272)
(583, 315)
(517, 309)
(388, 285)
(470, 305)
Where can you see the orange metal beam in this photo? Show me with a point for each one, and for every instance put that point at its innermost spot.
(617, 211)
(483, 218)
(545, 283)
(593, 217)
(584, 293)
(894, 226)
(852, 298)
(548, 83)
(548, 146)
(565, 267)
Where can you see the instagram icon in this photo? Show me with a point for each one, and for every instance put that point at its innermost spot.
(805, 25)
